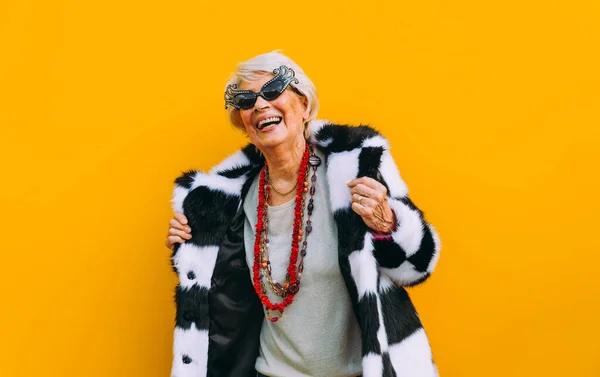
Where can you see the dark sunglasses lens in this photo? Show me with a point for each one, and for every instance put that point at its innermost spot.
(273, 90)
(245, 100)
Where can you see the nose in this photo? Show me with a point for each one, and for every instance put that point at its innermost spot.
(260, 104)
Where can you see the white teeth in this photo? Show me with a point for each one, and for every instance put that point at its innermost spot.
(271, 119)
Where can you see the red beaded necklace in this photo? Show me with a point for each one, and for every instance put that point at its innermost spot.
(292, 284)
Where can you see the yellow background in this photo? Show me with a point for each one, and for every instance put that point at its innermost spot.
(493, 113)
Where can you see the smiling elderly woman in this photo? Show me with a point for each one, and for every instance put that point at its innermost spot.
(292, 254)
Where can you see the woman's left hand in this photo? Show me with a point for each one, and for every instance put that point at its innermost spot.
(369, 200)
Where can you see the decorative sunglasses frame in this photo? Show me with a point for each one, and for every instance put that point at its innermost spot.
(284, 74)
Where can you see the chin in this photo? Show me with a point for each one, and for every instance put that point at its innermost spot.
(270, 143)
(272, 137)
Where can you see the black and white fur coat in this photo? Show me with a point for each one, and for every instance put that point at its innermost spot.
(218, 315)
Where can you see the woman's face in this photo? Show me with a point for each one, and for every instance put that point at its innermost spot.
(272, 123)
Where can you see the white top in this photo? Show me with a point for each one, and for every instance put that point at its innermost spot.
(318, 335)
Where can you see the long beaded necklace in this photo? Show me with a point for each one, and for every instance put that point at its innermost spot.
(262, 265)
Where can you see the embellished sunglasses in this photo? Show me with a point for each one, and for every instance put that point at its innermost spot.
(245, 99)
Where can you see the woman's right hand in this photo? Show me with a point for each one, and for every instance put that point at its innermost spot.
(179, 231)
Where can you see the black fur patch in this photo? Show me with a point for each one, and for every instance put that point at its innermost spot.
(368, 320)
(253, 154)
(192, 307)
(234, 173)
(209, 213)
(186, 179)
(369, 161)
(344, 138)
(399, 314)
(350, 283)
(388, 253)
(351, 231)
(251, 175)
(422, 258)
(388, 368)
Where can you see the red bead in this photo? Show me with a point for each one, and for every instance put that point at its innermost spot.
(274, 319)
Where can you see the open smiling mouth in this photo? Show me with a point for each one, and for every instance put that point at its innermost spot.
(269, 122)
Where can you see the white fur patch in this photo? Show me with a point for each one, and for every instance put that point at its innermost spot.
(385, 284)
(325, 142)
(200, 260)
(372, 365)
(192, 343)
(341, 168)
(405, 274)
(219, 183)
(376, 141)
(363, 268)
(391, 175)
(179, 194)
(236, 160)
(315, 127)
(438, 246)
(412, 356)
(381, 334)
(409, 234)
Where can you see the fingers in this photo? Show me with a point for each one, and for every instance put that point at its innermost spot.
(371, 204)
(369, 182)
(180, 217)
(364, 190)
(363, 211)
(368, 194)
(179, 233)
(174, 223)
(172, 240)
(364, 201)
(368, 187)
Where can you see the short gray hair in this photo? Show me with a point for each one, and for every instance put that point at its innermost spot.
(257, 67)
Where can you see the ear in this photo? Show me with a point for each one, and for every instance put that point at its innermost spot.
(305, 112)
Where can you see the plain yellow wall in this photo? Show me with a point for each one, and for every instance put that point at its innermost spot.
(492, 108)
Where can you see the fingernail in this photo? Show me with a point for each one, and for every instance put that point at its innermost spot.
(188, 229)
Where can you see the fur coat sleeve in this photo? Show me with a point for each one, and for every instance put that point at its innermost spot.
(414, 252)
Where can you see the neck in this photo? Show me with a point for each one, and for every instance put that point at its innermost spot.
(284, 162)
